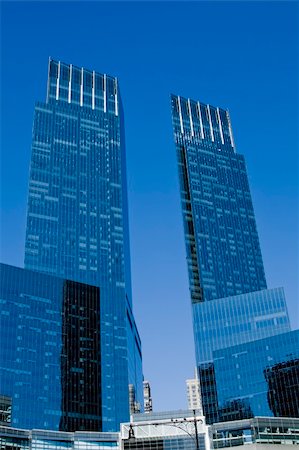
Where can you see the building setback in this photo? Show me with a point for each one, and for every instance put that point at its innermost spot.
(50, 363)
(77, 220)
(228, 290)
(246, 384)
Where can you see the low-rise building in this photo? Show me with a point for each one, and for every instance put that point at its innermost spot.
(171, 430)
(175, 430)
(17, 439)
(259, 433)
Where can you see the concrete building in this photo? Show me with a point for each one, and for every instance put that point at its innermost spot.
(147, 397)
(194, 393)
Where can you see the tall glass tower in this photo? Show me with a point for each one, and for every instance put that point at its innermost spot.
(77, 220)
(230, 301)
(223, 251)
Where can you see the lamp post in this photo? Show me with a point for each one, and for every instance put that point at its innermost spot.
(194, 420)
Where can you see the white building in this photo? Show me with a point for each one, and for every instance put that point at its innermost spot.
(194, 393)
(175, 430)
(148, 404)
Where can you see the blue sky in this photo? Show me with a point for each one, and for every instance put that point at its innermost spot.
(238, 55)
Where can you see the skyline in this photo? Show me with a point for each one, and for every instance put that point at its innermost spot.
(155, 228)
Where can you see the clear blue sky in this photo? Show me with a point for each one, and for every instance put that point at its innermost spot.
(240, 55)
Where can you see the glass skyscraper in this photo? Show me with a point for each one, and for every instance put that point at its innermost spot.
(50, 358)
(243, 382)
(223, 251)
(230, 301)
(77, 220)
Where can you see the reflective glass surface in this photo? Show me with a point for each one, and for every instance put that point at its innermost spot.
(260, 430)
(77, 221)
(171, 443)
(243, 381)
(233, 320)
(50, 364)
(16, 439)
(223, 251)
(230, 301)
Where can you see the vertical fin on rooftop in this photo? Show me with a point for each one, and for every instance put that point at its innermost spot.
(220, 126)
(180, 114)
(190, 117)
(105, 93)
(200, 120)
(93, 90)
(116, 97)
(230, 130)
(210, 122)
(48, 83)
(70, 85)
(58, 81)
(81, 87)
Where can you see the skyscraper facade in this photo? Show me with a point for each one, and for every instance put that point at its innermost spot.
(283, 386)
(240, 377)
(229, 321)
(230, 301)
(77, 220)
(223, 251)
(50, 358)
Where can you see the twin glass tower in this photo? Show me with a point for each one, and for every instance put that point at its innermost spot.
(77, 230)
(70, 343)
(77, 222)
(223, 251)
(231, 304)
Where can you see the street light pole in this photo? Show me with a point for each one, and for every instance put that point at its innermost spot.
(196, 431)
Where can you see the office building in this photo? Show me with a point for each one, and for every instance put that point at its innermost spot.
(77, 220)
(233, 320)
(175, 430)
(147, 397)
(194, 393)
(260, 433)
(242, 387)
(50, 363)
(229, 296)
(223, 252)
(5, 410)
(17, 439)
(283, 387)
(222, 323)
